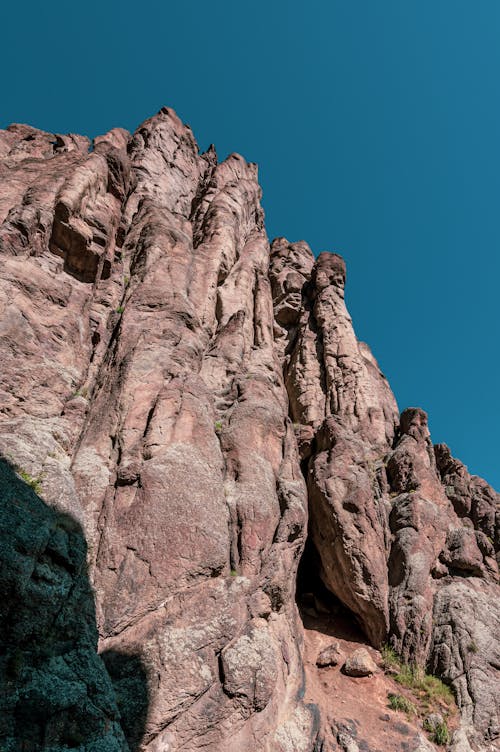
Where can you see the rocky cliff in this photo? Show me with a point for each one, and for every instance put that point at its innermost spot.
(190, 407)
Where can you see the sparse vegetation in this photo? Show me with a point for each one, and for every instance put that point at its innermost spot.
(34, 483)
(428, 694)
(234, 573)
(120, 309)
(399, 702)
(428, 688)
(439, 733)
(218, 426)
(390, 658)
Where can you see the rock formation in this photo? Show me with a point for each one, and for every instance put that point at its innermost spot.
(188, 397)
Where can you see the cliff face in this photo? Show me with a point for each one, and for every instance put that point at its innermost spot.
(188, 396)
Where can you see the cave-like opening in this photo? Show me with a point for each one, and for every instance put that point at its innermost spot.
(319, 608)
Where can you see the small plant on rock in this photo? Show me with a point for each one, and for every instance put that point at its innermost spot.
(399, 702)
(429, 694)
(439, 733)
(429, 689)
(34, 483)
(390, 658)
(218, 426)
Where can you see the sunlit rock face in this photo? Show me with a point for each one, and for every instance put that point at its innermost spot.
(189, 396)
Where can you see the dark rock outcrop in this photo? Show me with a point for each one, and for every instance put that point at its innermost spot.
(155, 397)
(55, 691)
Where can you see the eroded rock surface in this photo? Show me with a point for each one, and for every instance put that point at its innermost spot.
(150, 392)
(402, 532)
(143, 389)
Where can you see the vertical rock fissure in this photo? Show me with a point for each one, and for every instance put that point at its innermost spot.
(300, 286)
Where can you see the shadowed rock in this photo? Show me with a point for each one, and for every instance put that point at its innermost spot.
(55, 691)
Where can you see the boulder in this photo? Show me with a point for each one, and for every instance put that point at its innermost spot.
(330, 656)
(360, 663)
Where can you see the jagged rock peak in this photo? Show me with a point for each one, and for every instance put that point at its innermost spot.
(191, 405)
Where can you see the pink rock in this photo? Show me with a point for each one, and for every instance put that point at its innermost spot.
(330, 656)
(192, 428)
(360, 663)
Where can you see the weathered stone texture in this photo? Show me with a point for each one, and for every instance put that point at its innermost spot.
(153, 395)
(143, 389)
(398, 524)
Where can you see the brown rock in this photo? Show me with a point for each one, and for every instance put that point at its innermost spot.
(360, 663)
(330, 656)
(150, 393)
(335, 386)
(379, 492)
(134, 289)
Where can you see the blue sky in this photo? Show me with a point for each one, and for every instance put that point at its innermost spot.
(376, 126)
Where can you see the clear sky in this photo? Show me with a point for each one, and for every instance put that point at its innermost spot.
(376, 126)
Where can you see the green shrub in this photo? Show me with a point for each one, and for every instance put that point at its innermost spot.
(408, 676)
(429, 693)
(399, 702)
(120, 309)
(218, 426)
(439, 733)
(429, 688)
(390, 658)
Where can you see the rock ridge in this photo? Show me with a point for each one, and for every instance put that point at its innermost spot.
(195, 399)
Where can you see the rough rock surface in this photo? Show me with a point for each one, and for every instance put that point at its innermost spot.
(360, 663)
(54, 689)
(150, 394)
(330, 656)
(405, 537)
